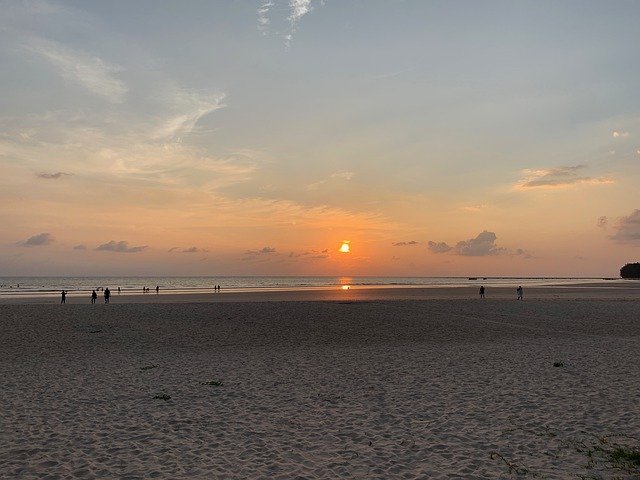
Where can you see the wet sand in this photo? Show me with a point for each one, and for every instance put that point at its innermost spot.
(623, 290)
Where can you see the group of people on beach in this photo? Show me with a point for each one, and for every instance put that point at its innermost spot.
(107, 295)
(519, 292)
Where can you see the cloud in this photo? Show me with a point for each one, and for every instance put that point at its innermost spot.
(263, 15)
(187, 250)
(121, 247)
(187, 109)
(483, 244)
(299, 8)
(338, 175)
(88, 71)
(406, 244)
(282, 17)
(602, 222)
(523, 253)
(80, 247)
(38, 240)
(193, 250)
(262, 251)
(343, 175)
(310, 254)
(438, 247)
(52, 176)
(619, 133)
(473, 208)
(559, 177)
(628, 229)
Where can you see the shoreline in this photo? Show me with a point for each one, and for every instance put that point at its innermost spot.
(622, 290)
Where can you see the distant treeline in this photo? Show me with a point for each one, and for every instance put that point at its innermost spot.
(630, 270)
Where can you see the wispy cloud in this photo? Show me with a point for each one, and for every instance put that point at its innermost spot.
(347, 176)
(299, 8)
(602, 222)
(38, 240)
(80, 247)
(287, 13)
(194, 250)
(628, 229)
(310, 254)
(187, 250)
(90, 72)
(262, 251)
(263, 15)
(53, 176)
(619, 133)
(343, 175)
(559, 177)
(187, 109)
(523, 253)
(121, 247)
(410, 243)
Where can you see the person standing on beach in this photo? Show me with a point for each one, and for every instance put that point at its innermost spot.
(64, 297)
(118, 290)
(94, 296)
(481, 291)
(157, 289)
(519, 291)
(107, 294)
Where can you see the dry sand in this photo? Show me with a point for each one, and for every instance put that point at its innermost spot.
(440, 388)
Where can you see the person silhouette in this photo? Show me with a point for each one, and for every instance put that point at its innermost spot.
(157, 289)
(481, 291)
(107, 295)
(64, 297)
(94, 296)
(519, 292)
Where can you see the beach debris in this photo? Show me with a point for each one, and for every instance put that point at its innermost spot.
(513, 468)
(148, 367)
(214, 383)
(95, 331)
(558, 364)
(164, 396)
(620, 453)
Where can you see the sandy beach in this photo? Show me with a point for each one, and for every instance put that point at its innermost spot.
(386, 383)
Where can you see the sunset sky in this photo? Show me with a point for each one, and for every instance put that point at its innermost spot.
(258, 137)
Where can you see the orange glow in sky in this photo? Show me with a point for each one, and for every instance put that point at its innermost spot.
(345, 247)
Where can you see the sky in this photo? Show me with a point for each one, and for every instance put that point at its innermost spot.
(436, 138)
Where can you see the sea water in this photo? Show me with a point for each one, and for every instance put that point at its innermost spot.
(46, 286)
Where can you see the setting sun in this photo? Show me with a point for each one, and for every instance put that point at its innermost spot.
(345, 247)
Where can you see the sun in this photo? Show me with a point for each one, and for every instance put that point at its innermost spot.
(345, 247)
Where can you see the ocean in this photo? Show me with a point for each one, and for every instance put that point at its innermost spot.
(76, 286)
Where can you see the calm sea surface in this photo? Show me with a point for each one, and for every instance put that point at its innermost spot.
(45, 286)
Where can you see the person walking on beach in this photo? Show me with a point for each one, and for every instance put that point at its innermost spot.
(519, 291)
(94, 296)
(64, 297)
(481, 291)
(107, 295)
(118, 290)
(157, 289)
